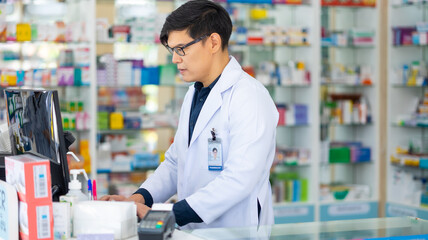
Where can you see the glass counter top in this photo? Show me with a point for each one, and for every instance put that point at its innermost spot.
(382, 228)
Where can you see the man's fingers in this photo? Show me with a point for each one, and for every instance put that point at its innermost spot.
(142, 210)
(105, 198)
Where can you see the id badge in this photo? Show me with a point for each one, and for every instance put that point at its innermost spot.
(215, 156)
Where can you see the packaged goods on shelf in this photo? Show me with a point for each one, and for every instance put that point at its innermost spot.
(349, 3)
(293, 114)
(407, 187)
(348, 152)
(344, 192)
(290, 156)
(414, 74)
(418, 118)
(289, 187)
(294, 73)
(346, 109)
(132, 73)
(352, 37)
(413, 155)
(270, 35)
(350, 75)
(56, 32)
(362, 37)
(407, 2)
(413, 35)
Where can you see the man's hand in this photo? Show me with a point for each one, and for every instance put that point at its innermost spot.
(142, 209)
(114, 198)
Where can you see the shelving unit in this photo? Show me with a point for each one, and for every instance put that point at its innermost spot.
(404, 129)
(289, 205)
(55, 29)
(350, 62)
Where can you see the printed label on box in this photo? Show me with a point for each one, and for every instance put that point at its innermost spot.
(398, 211)
(4, 214)
(43, 226)
(40, 181)
(291, 212)
(349, 209)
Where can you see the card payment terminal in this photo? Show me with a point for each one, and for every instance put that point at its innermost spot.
(156, 225)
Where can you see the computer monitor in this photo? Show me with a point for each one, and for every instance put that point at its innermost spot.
(35, 126)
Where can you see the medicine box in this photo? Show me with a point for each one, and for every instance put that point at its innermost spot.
(31, 177)
(339, 155)
(35, 221)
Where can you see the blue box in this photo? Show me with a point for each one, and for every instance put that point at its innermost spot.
(423, 163)
(150, 76)
(360, 154)
(145, 160)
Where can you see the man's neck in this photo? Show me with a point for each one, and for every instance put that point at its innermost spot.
(217, 68)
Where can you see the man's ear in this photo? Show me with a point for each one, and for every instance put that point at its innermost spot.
(215, 41)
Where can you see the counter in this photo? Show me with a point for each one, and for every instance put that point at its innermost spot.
(383, 228)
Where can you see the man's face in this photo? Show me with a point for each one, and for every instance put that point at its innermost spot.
(195, 64)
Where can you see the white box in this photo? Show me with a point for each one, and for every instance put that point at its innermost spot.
(96, 217)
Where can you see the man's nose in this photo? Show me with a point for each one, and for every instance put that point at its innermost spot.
(176, 58)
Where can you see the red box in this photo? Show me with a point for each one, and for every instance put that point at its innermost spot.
(35, 221)
(31, 176)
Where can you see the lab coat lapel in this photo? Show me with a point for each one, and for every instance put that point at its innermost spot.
(185, 115)
(230, 75)
(211, 105)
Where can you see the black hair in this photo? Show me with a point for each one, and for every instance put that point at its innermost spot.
(199, 17)
(215, 149)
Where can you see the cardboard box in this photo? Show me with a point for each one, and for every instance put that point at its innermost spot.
(339, 155)
(31, 176)
(35, 221)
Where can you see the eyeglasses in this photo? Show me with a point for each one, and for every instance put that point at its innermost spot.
(180, 50)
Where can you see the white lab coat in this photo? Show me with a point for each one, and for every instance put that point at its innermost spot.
(245, 118)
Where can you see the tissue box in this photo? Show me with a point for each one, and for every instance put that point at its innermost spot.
(101, 217)
(35, 221)
(31, 176)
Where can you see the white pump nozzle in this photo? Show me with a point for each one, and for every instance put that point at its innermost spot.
(74, 184)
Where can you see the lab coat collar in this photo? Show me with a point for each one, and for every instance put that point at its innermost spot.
(230, 75)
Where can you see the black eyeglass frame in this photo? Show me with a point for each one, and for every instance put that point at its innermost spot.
(180, 50)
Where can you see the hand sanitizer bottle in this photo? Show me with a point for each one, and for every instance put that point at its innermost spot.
(75, 193)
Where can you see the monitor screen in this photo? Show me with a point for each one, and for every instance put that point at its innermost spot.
(35, 126)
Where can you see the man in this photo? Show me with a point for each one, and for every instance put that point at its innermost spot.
(226, 109)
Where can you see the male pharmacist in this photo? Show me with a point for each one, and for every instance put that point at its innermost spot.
(225, 109)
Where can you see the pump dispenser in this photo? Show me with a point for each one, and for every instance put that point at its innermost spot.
(75, 187)
(75, 193)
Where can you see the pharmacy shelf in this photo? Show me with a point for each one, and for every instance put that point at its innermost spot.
(347, 125)
(410, 4)
(355, 47)
(45, 42)
(294, 212)
(351, 164)
(345, 85)
(407, 166)
(409, 126)
(268, 45)
(394, 209)
(408, 86)
(335, 5)
(293, 126)
(402, 104)
(132, 131)
(348, 210)
(410, 46)
(139, 170)
(342, 19)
